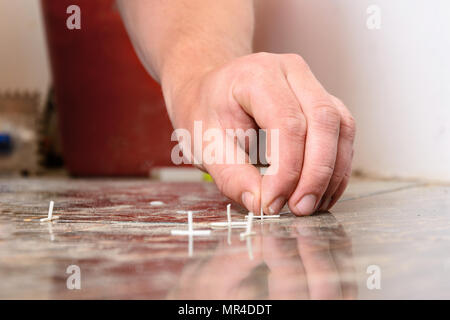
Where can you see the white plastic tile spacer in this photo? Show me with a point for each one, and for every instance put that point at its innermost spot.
(224, 225)
(229, 223)
(264, 217)
(50, 214)
(190, 231)
(157, 203)
(248, 231)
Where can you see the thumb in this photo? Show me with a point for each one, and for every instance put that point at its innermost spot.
(239, 182)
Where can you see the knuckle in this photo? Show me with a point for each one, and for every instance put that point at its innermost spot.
(296, 59)
(263, 62)
(291, 173)
(294, 124)
(337, 176)
(322, 172)
(251, 68)
(326, 116)
(259, 75)
(347, 174)
(348, 128)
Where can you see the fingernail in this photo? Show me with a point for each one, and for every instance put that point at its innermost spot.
(276, 205)
(307, 204)
(247, 200)
(325, 204)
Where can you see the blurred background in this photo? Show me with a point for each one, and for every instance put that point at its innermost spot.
(80, 98)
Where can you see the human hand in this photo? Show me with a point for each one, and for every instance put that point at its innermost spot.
(270, 91)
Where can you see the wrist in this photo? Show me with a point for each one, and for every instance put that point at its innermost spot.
(178, 83)
(181, 72)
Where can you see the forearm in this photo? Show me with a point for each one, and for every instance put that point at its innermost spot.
(179, 39)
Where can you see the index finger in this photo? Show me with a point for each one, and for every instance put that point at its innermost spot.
(321, 146)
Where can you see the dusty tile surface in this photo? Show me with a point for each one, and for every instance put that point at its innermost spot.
(123, 247)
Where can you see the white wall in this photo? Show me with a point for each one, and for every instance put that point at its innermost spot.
(23, 54)
(396, 80)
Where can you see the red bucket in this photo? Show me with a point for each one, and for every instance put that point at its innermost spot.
(111, 112)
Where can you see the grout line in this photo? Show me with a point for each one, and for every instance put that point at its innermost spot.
(377, 193)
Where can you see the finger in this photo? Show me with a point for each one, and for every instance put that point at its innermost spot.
(239, 182)
(344, 153)
(321, 147)
(271, 102)
(340, 190)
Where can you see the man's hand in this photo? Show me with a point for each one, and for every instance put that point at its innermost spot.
(200, 51)
(273, 91)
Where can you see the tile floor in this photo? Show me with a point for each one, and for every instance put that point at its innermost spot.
(398, 231)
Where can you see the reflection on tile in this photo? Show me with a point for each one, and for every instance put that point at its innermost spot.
(124, 249)
(407, 234)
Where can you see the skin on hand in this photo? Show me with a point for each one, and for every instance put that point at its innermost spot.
(210, 75)
(273, 91)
